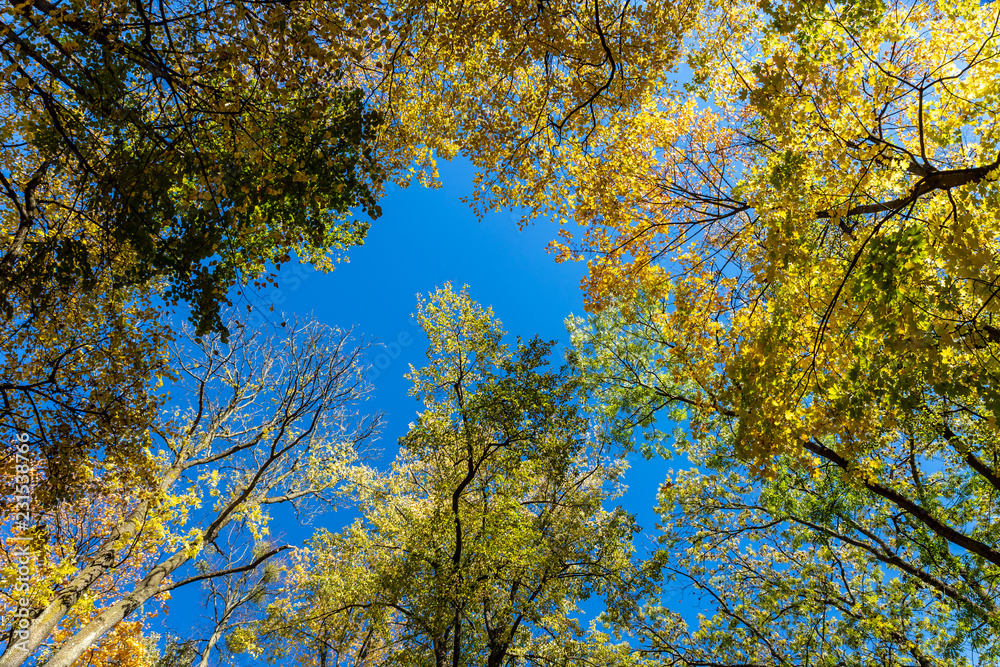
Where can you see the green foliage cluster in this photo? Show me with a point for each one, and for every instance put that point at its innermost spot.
(174, 143)
(489, 530)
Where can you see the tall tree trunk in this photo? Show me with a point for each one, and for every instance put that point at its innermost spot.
(77, 645)
(45, 621)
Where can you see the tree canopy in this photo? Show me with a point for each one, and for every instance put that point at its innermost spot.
(271, 421)
(796, 258)
(817, 234)
(203, 144)
(489, 530)
(789, 210)
(175, 141)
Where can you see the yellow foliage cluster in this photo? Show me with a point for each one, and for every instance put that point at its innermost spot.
(815, 214)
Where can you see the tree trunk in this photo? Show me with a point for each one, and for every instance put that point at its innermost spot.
(212, 641)
(77, 645)
(48, 618)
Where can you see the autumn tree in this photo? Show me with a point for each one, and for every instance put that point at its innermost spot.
(177, 151)
(807, 570)
(829, 562)
(270, 421)
(80, 380)
(36, 559)
(490, 529)
(822, 233)
(204, 144)
(179, 141)
(79, 403)
(797, 254)
(180, 153)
